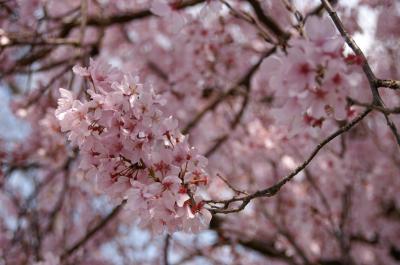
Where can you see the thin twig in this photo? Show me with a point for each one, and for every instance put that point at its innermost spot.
(237, 191)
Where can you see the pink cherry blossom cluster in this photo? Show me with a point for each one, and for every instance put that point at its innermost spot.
(311, 79)
(134, 151)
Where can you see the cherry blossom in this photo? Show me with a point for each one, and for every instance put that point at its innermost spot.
(199, 132)
(132, 152)
(313, 72)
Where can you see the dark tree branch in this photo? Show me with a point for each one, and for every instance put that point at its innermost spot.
(268, 22)
(284, 232)
(67, 27)
(250, 19)
(92, 231)
(244, 81)
(223, 205)
(265, 248)
(126, 17)
(374, 82)
(166, 249)
(384, 110)
(393, 84)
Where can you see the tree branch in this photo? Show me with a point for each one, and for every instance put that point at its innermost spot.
(92, 231)
(392, 84)
(166, 247)
(374, 83)
(242, 82)
(268, 22)
(271, 191)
